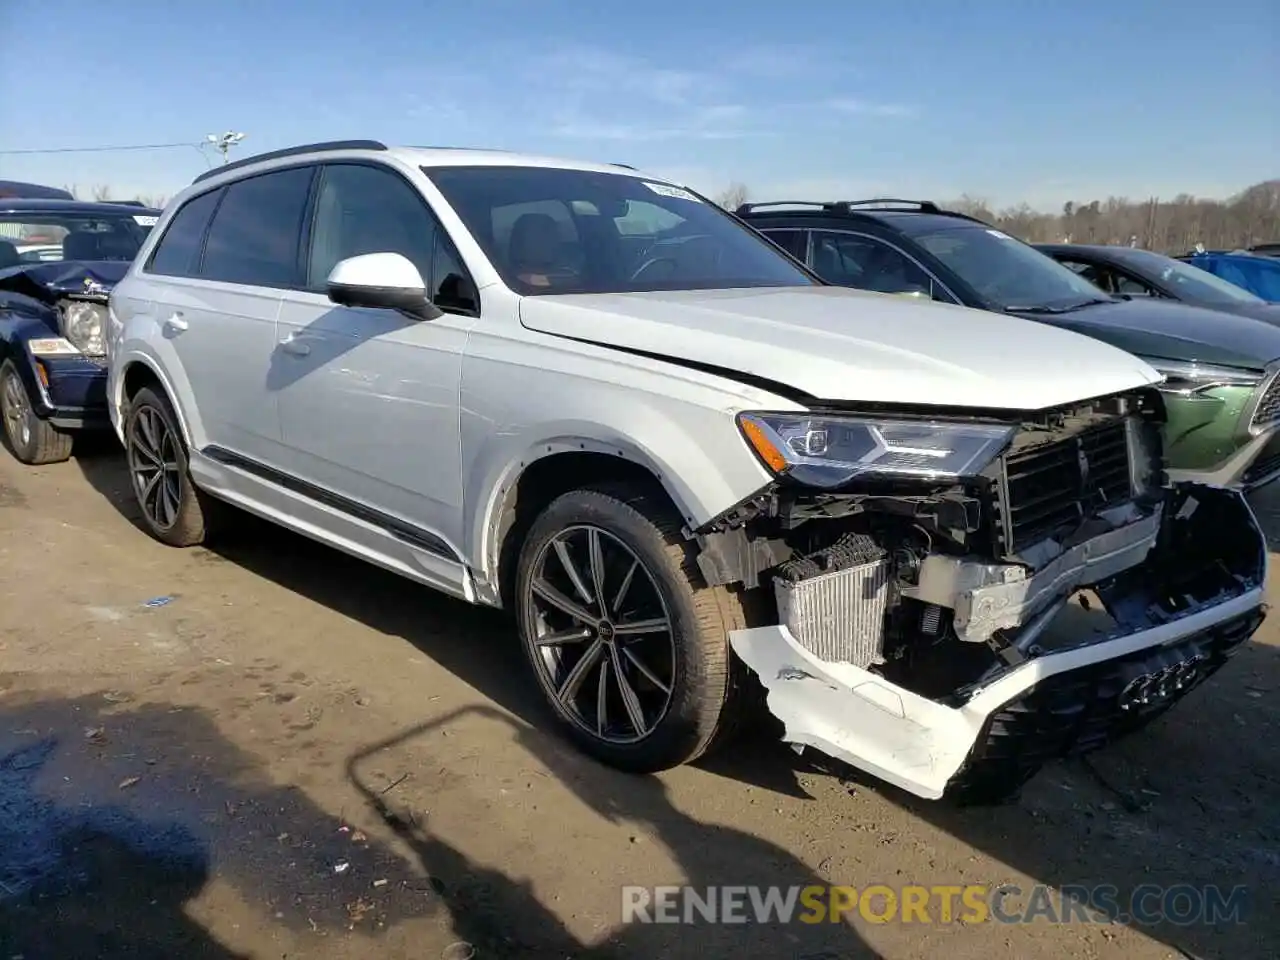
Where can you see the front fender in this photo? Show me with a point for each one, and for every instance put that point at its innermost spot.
(679, 425)
(17, 328)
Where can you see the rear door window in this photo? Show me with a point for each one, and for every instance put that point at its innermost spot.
(254, 237)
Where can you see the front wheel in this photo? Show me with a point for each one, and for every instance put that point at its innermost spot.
(173, 510)
(32, 440)
(628, 644)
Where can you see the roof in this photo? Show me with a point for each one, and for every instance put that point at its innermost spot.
(412, 156)
(73, 208)
(1106, 251)
(19, 188)
(1244, 255)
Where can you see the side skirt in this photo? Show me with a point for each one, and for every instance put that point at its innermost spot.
(333, 519)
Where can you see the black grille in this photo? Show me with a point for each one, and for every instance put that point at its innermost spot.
(1080, 710)
(1268, 408)
(1265, 464)
(1055, 485)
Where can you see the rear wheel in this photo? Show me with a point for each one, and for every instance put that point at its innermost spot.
(173, 510)
(32, 440)
(628, 644)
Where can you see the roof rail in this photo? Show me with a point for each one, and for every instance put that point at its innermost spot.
(625, 166)
(749, 207)
(293, 151)
(925, 206)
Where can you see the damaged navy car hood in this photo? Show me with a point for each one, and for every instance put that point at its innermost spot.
(63, 278)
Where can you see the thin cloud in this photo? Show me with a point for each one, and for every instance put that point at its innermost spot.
(608, 96)
(868, 108)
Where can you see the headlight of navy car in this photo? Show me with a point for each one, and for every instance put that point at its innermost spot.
(82, 323)
(831, 451)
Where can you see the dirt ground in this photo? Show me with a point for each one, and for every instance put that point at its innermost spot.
(298, 755)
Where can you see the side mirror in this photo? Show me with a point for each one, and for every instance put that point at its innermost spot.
(388, 281)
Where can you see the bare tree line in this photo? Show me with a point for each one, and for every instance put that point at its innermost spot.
(1170, 226)
(103, 191)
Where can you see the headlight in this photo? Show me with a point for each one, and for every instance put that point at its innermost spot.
(830, 451)
(1186, 379)
(82, 324)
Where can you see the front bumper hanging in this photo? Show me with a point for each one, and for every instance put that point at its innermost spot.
(1178, 616)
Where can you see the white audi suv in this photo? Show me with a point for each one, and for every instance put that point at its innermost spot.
(688, 468)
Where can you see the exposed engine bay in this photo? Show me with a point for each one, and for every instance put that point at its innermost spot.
(943, 590)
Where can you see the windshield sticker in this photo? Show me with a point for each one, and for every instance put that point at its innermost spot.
(999, 236)
(146, 221)
(667, 190)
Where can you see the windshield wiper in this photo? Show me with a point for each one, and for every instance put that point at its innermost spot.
(1042, 309)
(1018, 308)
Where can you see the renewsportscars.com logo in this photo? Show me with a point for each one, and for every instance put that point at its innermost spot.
(1146, 905)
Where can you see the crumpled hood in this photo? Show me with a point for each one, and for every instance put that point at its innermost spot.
(836, 343)
(1176, 331)
(50, 281)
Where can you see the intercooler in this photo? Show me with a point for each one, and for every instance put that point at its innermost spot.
(834, 602)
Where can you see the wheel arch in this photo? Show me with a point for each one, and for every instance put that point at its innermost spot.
(544, 472)
(137, 372)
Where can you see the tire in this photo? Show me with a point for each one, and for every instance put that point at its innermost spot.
(704, 684)
(187, 519)
(32, 440)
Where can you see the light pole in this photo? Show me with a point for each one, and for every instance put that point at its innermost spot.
(224, 142)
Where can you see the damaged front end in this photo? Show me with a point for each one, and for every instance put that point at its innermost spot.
(52, 319)
(956, 605)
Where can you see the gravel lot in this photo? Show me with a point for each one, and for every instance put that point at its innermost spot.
(300, 756)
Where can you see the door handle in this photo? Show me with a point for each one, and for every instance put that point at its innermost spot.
(295, 346)
(175, 324)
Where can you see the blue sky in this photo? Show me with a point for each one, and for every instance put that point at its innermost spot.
(1005, 99)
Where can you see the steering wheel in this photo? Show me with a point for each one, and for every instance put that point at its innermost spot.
(651, 262)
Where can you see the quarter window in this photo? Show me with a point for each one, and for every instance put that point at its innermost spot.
(178, 252)
(255, 233)
(452, 287)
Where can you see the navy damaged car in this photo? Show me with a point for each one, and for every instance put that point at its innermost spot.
(59, 260)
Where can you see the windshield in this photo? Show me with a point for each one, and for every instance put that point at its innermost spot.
(1006, 272)
(32, 237)
(549, 230)
(1192, 283)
